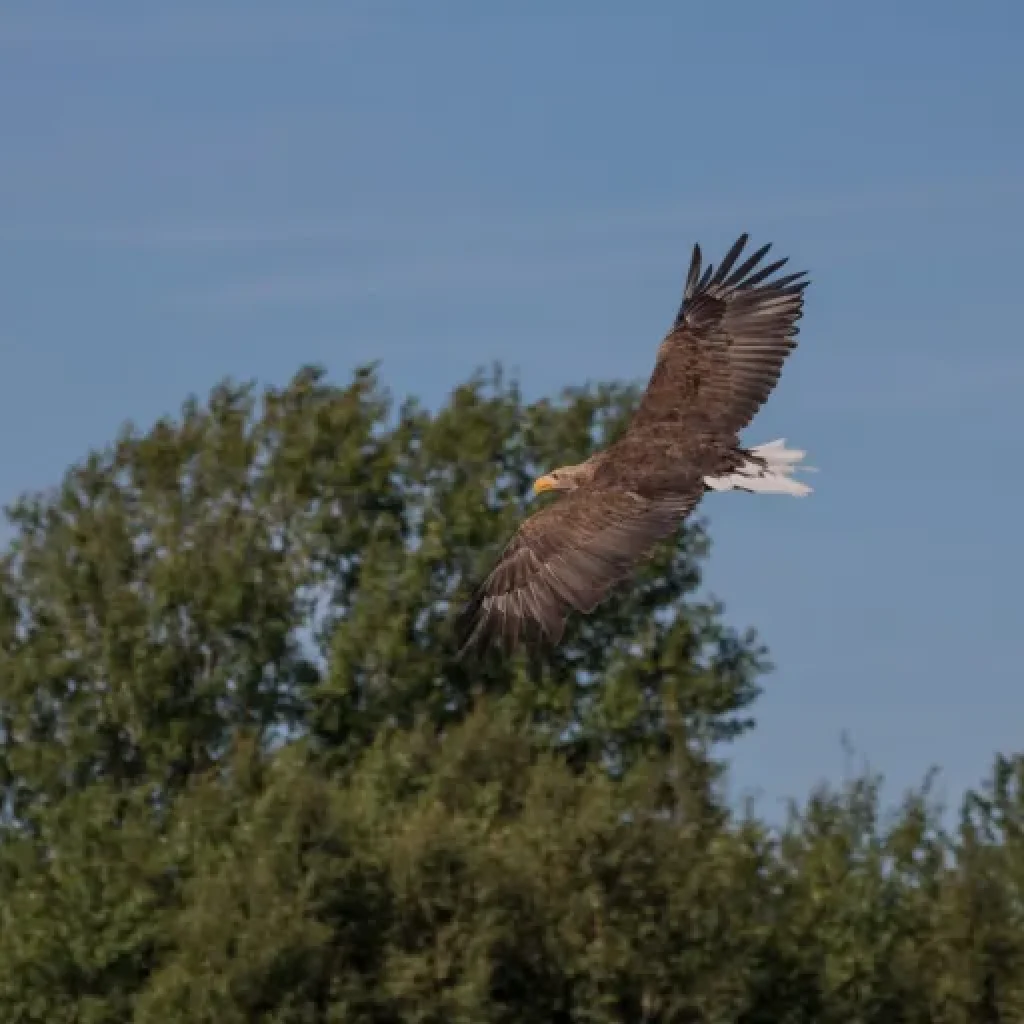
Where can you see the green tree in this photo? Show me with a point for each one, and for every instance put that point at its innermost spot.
(291, 565)
(268, 568)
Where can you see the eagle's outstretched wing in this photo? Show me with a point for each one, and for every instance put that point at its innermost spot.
(725, 351)
(566, 556)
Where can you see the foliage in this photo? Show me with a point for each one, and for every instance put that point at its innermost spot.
(243, 777)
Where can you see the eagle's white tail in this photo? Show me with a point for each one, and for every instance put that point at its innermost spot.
(774, 476)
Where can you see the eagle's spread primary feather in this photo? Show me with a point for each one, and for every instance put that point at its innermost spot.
(714, 370)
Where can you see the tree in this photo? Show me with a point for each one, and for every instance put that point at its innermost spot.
(264, 569)
(292, 568)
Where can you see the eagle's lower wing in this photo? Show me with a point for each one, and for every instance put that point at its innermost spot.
(725, 351)
(566, 556)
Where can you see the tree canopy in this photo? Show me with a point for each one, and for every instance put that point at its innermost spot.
(243, 776)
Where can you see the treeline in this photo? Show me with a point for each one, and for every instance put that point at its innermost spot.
(243, 778)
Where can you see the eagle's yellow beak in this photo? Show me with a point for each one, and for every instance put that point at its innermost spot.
(544, 483)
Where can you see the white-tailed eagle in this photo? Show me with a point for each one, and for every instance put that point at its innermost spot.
(714, 369)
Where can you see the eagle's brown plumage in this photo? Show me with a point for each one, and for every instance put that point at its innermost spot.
(714, 370)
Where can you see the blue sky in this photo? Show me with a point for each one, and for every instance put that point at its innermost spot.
(204, 189)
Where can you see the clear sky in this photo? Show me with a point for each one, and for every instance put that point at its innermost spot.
(203, 189)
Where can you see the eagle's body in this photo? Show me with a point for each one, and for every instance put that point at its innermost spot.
(714, 370)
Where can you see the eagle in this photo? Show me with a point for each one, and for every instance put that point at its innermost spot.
(715, 368)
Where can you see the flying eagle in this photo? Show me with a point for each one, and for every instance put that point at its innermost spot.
(714, 370)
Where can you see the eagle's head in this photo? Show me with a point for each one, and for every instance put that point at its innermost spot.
(565, 478)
